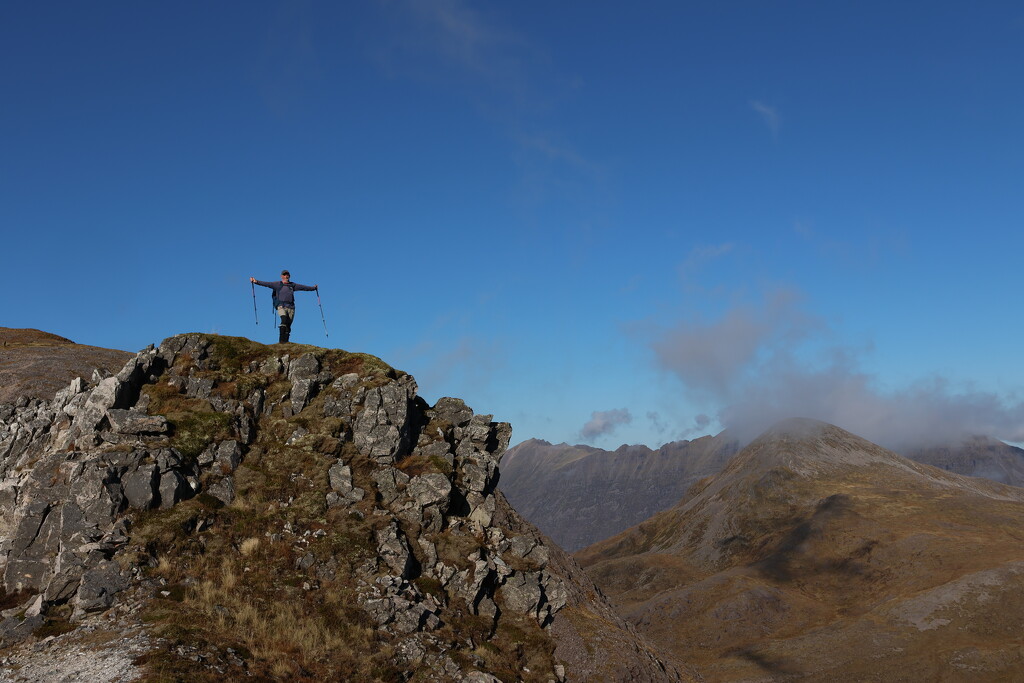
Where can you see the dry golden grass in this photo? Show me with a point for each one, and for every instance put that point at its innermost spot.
(249, 546)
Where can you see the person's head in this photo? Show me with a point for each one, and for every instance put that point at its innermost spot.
(285, 276)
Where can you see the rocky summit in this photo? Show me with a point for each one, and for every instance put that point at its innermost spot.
(223, 510)
(817, 555)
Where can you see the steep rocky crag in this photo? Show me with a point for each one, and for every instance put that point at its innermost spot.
(261, 505)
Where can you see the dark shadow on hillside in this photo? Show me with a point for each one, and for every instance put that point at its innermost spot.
(779, 565)
(780, 668)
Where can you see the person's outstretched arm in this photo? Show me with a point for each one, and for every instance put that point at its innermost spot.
(261, 283)
(305, 288)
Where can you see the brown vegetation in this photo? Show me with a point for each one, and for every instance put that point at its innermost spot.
(826, 557)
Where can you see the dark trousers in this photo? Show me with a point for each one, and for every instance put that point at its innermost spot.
(287, 316)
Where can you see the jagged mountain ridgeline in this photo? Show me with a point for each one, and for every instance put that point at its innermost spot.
(817, 555)
(579, 495)
(975, 456)
(223, 510)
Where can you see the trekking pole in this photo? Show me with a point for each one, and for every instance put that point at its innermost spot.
(321, 312)
(255, 312)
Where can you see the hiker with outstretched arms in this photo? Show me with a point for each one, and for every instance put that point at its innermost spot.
(284, 300)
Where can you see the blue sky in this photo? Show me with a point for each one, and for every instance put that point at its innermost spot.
(600, 223)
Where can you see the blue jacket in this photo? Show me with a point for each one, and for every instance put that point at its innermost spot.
(284, 293)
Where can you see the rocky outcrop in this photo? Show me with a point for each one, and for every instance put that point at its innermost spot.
(85, 478)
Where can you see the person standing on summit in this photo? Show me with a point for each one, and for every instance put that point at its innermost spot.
(284, 300)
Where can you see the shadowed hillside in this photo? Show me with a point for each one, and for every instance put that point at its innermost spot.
(816, 554)
(579, 495)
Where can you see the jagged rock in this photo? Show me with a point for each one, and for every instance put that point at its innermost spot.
(394, 550)
(430, 489)
(522, 593)
(36, 607)
(434, 448)
(98, 587)
(271, 366)
(174, 488)
(229, 455)
(340, 477)
(382, 430)
(451, 410)
(245, 426)
(303, 391)
(388, 481)
(482, 508)
(109, 393)
(132, 422)
(305, 366)
(338, 404)
(347, 382)
(343, 492)
(198, 387)
(141, 486)
(223, 490)
(305, 562)
(431, 494)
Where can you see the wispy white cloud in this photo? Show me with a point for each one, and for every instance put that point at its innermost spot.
(558, 152)
(770, 115)
(451, 40)
(604, 422)
(507, 77)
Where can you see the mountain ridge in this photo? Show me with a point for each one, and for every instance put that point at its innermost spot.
(579, 494)
(816, 553)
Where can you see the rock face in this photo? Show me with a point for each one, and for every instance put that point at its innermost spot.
(579, 495)
(206, 453)
(976, 456)
(817, 555)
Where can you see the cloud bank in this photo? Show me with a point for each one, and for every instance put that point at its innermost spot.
(771, 361)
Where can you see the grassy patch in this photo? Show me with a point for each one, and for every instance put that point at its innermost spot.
(243, 592)
(194, 423)
(415, 465)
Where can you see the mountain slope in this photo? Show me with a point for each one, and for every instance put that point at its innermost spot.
(37, 364)
(817, 554)
(285, 513)
(579, 494)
